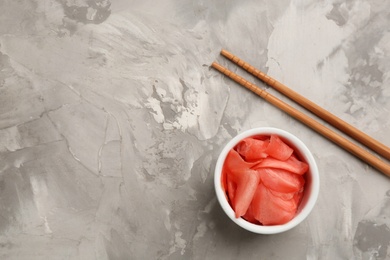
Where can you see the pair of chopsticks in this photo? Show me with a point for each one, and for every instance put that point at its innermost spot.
(333, 120)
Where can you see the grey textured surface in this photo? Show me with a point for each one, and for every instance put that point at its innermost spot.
(111, 122)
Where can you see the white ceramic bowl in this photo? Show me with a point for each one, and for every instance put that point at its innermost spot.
(312, 184)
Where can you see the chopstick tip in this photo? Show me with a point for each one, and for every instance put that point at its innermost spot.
(226, 54)
(218, 67)
(214, 64)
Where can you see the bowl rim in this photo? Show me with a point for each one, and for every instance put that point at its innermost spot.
(307, 156)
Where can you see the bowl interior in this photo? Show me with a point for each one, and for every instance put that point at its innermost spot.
(311, 186)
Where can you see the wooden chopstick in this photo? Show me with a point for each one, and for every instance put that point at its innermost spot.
(316, 126)
(333, 120)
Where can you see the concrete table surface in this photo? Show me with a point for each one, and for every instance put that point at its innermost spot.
(111, 122)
